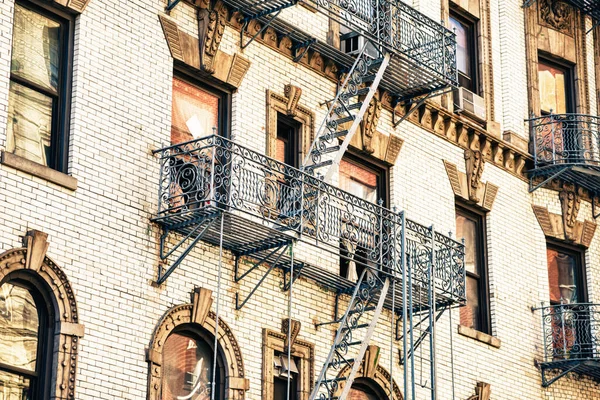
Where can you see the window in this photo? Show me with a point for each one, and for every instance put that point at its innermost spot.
(368, 181)
(556, 85)
(281, 370)
(470, 225)
(24, 343)
(288, 141)
(188, 367)
(565, 275)
(39, 89)
(198, 111)
(466, 51)
(366, 389)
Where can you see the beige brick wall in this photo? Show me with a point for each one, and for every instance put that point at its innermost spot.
(103, 239)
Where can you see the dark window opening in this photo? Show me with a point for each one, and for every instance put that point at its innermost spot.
(466, 51)
(281, 370)
(470, 225)
(288, 141)
(40, 85)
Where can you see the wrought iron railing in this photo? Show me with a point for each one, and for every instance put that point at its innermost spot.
(571, 332)
(398, 28)
(216, 172)
(565, 139)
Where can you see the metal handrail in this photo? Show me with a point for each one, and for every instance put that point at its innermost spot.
(217, 172)
(571, 332)
(565, 139)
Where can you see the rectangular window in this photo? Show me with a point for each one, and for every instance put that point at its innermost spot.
(565, 275)
(368, 181)
(466, 51)
(470, 225)
(281, 370)
(39, 89)
(556, 85)
(288, 141)
(198, 111)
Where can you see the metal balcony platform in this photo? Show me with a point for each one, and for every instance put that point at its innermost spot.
(571, 342)
(566, 147)
(423, 51)
(216, 191)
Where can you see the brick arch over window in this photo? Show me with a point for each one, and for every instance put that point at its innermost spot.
(31, 260)
(371, 371)
(197, 313)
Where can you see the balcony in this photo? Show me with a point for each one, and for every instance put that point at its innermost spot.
(566, 146)
(266, 204)
(571, 334)
(423, 51)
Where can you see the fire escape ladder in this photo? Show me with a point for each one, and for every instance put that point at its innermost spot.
(352, 337)
(349, 106)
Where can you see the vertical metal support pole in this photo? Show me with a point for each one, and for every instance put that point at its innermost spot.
(403, 263)
(160, 202)
(289, 338)
(213, 193)
(432, 313)
(411, 327)
(216, 343)
(392, 335)
(546, 358)
(533, 139)
(450, 319)
(553, 139)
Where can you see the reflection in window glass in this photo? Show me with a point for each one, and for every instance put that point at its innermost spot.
(562, 269)
(36, 48)
(467, 229)
(14, 387)
(195, 112)
(553, 88)
(358, 180)
(187, 368)
(19, 325)
(463, 62)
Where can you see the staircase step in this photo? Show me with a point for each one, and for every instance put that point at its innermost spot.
(345, 119)
(363, 91)
(349, 361)
(366, 309)
(368, 78)
(375, 63)
(340, 379)
(319, 165)
(356, 342)
(331, 149)
(355, 106)
(330, 135)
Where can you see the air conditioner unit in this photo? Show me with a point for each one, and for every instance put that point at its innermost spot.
(467, 102)
(352, 43)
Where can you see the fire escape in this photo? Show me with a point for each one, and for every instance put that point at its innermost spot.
(214, 190)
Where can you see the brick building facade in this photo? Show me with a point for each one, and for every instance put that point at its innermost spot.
(91, 91)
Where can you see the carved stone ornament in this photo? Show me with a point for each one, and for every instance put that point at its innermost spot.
(198, 314)
(380, 376)
(75, 5)
(557, 15)
(482, 391)
(211, 25)
(292, 94)
(554, 226)
(31, 259)
(369, 124)
(570, 202)
(285, 329)
(474, 164)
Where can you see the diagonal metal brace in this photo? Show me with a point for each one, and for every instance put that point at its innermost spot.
(197, 233)
(533, 188)
(238, 305)
(546, 383)
(421, 338)
(171, 4)
(305, 45)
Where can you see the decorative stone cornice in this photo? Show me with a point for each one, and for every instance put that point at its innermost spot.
(292, 94)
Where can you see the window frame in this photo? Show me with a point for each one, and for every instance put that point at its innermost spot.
(569, 69)
(61, 103)
(578, 253)
(293, 140)
(209, 85)
(42, 377)
(472, 24)
(480, 217)
(381, 169)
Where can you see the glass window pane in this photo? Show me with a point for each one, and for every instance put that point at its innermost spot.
(280, 389)
(14, 387)
(467, 228)
(187, 368)
(358, 180)
(29, 123)
(562, 277)
(463, 32)
(361, 393)
(469, 315)
(36, 48)
(195, 112)
(553, 90)
(19, 325)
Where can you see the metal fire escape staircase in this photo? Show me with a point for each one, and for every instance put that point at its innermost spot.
(348, 107)
(352, 337)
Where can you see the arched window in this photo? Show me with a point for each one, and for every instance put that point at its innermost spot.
(25, 343)
(366, 389)
(188, 366)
